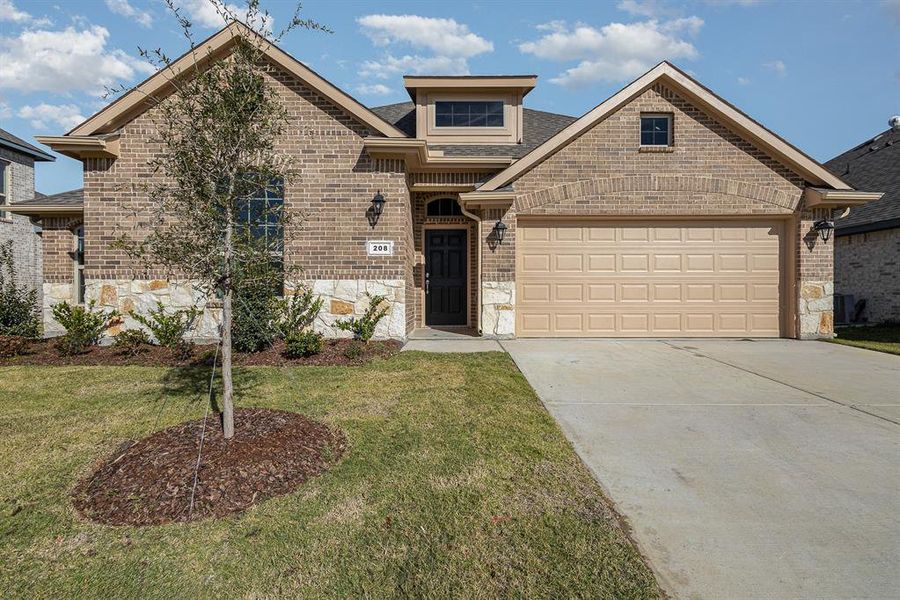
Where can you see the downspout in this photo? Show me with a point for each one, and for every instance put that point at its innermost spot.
(477, 220)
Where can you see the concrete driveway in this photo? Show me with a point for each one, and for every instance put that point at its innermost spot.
(747, 469)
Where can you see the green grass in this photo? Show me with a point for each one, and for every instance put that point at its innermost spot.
(883, 338)
(456, 483)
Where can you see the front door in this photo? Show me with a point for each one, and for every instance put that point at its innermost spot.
(445, 276)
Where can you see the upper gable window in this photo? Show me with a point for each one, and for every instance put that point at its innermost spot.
(468, 113)
(656, 130)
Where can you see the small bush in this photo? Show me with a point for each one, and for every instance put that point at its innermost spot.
(132, 342)
(255, 306)
(363, 328)
(19, 313)
(303, 344)
(13, 345)
(168, 329)
(354, 350)
(83, 326)
(297, 312)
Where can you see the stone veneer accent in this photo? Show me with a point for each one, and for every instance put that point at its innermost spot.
(347, 298)
(342, 298)
(498, 309)
(816, 310)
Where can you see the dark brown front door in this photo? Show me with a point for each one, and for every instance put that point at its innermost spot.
(445, 276)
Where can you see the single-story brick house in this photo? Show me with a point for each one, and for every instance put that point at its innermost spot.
(17, 160)
(664, 211)
(867, 241)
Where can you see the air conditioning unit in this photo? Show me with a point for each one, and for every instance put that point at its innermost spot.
(843, 308)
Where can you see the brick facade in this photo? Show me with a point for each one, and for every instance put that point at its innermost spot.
(708, 171)
(26, 242)
(867, 266)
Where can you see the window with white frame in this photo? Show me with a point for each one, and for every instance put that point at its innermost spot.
(656, 130)
(4, 188)
(79, 264)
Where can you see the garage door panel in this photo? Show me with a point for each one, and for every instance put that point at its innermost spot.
(648, 279)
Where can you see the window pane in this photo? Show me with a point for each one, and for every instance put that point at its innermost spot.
(468, 114)
(655, 131)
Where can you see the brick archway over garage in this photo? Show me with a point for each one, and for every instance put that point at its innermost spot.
(665, 194)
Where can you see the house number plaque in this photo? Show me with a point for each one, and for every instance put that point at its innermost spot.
(380, 247)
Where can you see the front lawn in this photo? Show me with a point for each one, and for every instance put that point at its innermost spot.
(883, 338)
(455, 482)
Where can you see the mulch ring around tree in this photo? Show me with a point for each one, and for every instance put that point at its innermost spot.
(334, 352)
(149, 482)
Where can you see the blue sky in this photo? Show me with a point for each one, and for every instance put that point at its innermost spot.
(824, 75)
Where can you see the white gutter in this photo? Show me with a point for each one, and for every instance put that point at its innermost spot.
(477, 220)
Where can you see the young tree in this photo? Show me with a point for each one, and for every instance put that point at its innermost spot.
(217, 133)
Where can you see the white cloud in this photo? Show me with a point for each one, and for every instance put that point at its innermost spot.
(646, 8)
(9, 12)
(43, 115)
(390, 66)
(743, 80)
(444, 37)
(374, 89)
(777, 66)
(732, 2)
(616, 51)
(65, 61)
(5, 110)
(214, 14)
(122, 7)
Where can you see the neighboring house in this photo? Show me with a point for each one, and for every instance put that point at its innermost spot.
(664, 211)
(17, 158)
(867, 244)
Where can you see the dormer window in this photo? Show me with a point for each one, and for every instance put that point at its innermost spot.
(468, 114)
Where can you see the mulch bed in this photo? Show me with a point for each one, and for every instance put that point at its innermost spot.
(149, 482)
(43, 352)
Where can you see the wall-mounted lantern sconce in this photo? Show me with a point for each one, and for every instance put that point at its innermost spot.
(377, 208)
(500, 230)
(824, 227)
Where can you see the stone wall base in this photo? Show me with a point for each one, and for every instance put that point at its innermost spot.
(816, 310)
(498, 309)
(342, 299)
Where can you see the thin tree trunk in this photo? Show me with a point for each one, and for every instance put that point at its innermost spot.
(227, 382)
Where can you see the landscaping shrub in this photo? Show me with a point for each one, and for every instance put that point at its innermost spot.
(19, 313)
(168, 329)
(353, 350)
(303, 344)
(183, 350)
(297, 312)
(84, 326)
(13, 345)
(132, 341)
(363, 328)
(256, 307)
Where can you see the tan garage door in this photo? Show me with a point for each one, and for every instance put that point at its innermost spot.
(648, 279)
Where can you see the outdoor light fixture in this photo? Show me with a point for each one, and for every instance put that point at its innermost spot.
(377, 208)
(500, 230)
(824, 227)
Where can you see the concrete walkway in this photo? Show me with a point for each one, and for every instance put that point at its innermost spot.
(766, 469)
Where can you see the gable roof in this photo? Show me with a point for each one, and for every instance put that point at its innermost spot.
(216, 46)
(700, 96)
(8, 140)
(537, 127)
(873, 165)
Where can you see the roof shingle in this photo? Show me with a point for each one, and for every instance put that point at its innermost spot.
(16, 143)
(73, 198)
(872, 166)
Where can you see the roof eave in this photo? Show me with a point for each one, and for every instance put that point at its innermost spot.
(418, 157)
(32, 152)
(42, 210)
(82, 146)
(814, 197)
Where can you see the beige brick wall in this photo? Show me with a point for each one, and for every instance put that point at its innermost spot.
(867, 265)
(333, 187)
